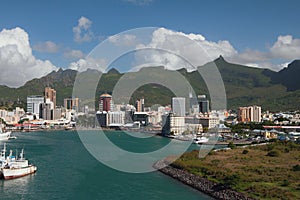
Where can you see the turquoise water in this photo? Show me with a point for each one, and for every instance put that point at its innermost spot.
(67, 171)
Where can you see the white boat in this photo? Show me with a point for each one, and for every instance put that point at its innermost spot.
(14, 167)
(200, 140)
(4, 135)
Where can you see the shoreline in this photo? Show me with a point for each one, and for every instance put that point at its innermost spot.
(212, 189)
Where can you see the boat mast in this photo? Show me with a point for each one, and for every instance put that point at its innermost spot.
(21, 154)
(3, 151)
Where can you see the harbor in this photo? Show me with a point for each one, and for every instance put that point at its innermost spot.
(82, 175)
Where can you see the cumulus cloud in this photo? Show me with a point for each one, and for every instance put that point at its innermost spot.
(82, 32)
(73, 54)
(17, 64)
(89, 63)
(286, 47)
(192, 47)
(172, 49)
(284, 50)
(48, 47)
(125, 39)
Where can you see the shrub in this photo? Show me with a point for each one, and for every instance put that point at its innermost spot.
(285, 183)
(232, 180)
(245, 151)
(286, 150)
(270, 147)
(296, 168)
(273, 153)
(231, 145)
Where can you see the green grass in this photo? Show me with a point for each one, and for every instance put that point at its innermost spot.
(255, 173)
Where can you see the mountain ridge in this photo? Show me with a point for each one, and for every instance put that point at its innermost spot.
(244, 86)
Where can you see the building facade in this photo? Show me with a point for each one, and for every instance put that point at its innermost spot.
(33, 104)
(173, 125)
(106, 103)
(178, 106)
(203, 104)
(140, 105)
(50, 94)
(71, 103)
(249, 114)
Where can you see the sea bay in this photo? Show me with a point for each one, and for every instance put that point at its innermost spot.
(66, 170)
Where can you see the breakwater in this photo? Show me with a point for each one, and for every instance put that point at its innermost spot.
(215, 190)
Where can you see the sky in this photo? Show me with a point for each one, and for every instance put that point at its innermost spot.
(37, 37)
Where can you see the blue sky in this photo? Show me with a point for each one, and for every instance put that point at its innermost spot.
(251, 27)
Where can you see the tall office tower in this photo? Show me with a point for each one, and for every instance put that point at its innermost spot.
(71, 103)
(50, 94)
(178, 106)
(140, 105)
(194, 106)
(256, 114)
(33, 104)
(249, 114)
(203, 104)
(106, 103)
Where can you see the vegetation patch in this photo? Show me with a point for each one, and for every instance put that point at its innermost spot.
(270, 171)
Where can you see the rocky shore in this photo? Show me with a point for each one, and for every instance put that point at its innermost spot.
(215, 190)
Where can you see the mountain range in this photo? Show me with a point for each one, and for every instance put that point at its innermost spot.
(274, 91)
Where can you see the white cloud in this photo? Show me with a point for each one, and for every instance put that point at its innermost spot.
(17, 64)
(72, 53)
(82, 32)
(286, 47)
(48, 47)
(192, 47)
(88, 63)
(123, 39)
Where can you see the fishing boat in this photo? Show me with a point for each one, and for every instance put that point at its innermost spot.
(14, 166)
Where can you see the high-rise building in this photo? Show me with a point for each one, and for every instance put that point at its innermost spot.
(173, 125)
(106, 103)
(46, 111)
(249, 114)
(71, 103)
(194, 106)
(140, 105)
(178, 106)
(256, 113)
(203, 104)
(33, 104)
(115, 118)
(50, 94)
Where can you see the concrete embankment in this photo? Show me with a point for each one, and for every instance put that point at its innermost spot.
(217, 191)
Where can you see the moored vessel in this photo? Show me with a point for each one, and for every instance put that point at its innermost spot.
(14, 166)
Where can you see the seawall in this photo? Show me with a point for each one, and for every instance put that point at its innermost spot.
(215, 190)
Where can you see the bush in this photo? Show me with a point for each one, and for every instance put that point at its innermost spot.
(231, 145)
(285, 183)
(270, 147)
(232, 180)
(273, 153)
(296, 168)
(286, 150)
(245, 151)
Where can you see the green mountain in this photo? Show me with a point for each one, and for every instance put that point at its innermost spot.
(275, 91)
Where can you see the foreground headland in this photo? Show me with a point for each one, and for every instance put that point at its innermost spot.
(269, 171)
(215, 190)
